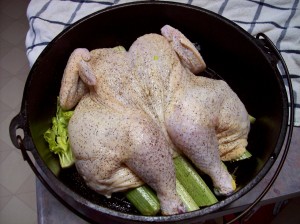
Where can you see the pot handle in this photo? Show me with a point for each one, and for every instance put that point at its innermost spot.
(273, 53)
(18, 122)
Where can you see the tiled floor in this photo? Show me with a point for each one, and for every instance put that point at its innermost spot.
(17, 181)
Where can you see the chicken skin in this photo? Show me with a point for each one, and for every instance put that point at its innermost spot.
(137, 109)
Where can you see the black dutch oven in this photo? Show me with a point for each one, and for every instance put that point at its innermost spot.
(251, 66)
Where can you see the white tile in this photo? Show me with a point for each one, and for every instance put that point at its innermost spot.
(22, 45)
(17, 181)
(5, 110)
(28, 186)
(5, 149)
(3, 155)
(12, 93)
(15, 8)
(5, 47)
(3, 201)
(5, 20)
(23, 18)
(5, 76)
(29, 199)
(17, 211)
(4, 3)
(15, 33)
(23, 73)
(14, 171)
(4, 192)
(14, 60)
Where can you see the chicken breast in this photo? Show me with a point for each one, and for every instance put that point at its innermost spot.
(139, 108)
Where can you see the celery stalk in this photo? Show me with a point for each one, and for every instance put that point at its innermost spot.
(144, 200)
(187, 200)
(193, 183)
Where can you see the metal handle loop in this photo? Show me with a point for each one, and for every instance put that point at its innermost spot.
(16, 123)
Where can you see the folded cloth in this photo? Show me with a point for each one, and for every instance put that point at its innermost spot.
(278, 19)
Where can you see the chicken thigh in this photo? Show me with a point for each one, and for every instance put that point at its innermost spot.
(137, 109)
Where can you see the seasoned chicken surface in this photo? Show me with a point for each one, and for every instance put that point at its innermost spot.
(137, 109)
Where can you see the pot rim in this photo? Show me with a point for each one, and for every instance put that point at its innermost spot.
(47, 174)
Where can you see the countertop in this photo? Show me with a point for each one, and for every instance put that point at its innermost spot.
(286, 186)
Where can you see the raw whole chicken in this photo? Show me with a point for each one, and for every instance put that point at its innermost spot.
(137, 109)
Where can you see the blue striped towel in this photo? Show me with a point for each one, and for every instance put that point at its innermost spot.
(278, 19)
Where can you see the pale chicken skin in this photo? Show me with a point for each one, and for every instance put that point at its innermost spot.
(137, 109)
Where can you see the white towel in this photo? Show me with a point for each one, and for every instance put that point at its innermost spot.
(278, 19)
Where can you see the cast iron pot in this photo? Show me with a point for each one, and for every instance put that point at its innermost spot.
(249, 65)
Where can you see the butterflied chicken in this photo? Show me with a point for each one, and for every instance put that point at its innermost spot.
(137, 109)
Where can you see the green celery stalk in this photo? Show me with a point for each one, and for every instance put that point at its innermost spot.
(187, 200)
(193, 183)
(144, 200)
